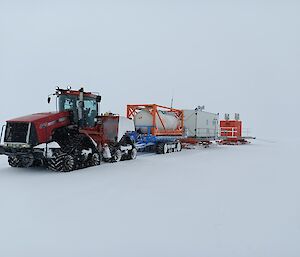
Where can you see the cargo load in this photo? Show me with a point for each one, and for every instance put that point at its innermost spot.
(201, 124)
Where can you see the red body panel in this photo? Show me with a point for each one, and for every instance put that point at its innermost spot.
(45, 123)
(106, 132)
(95, 133)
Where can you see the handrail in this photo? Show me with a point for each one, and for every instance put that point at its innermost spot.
(231, 132)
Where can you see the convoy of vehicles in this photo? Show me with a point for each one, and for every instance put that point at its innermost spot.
(77, 136)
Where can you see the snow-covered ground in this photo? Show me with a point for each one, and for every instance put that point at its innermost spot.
(222, 201)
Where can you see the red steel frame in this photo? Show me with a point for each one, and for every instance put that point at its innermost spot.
(132, 110)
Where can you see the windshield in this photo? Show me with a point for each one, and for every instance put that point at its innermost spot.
(90, 109)
(67, 103)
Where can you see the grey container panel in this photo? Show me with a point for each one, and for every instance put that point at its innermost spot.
(201, 124)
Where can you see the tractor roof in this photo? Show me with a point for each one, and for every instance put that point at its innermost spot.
(76, 93)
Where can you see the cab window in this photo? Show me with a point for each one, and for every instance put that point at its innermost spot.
(67, 103)
(90, 111)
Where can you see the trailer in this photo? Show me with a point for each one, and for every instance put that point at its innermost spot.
(231, 131)
(201, 127)
(157, 128)
(201, 124)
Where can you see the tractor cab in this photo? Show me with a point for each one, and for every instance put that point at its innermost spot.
(83, 106)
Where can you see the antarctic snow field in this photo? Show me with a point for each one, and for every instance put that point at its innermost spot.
(220, 201)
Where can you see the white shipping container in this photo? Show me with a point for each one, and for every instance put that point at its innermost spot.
(201, 124)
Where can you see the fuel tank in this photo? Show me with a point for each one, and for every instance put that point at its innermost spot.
(164, 120)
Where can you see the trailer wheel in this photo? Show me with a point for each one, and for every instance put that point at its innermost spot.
(117, 156)
(165, 149)
(95, 159)
(162, 148)
(133, 154)
(159, 148)
(178, 147)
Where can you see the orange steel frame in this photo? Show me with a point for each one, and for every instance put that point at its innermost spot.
(133, 109)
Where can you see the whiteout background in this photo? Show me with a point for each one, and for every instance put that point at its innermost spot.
(232, 56)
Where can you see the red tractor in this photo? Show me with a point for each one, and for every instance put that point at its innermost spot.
(73, 137)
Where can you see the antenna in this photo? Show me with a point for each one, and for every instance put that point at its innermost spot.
(172, 99)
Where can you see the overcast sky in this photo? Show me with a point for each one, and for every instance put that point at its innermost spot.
(231, 56)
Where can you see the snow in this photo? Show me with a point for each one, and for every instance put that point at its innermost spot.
(231, 56)
(221, 201)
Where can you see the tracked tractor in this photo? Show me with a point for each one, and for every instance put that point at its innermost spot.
(75, 136)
